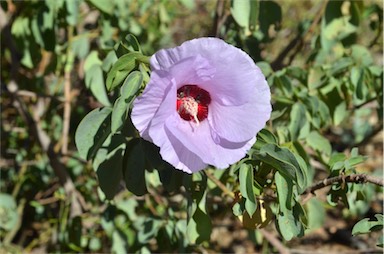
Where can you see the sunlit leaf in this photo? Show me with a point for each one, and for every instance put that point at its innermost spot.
(120, 109)
(366, 225)
(298, 120)
(284, 187)
(94, 79)
(240, 11)
(8, 212)
(316, 214)
(121, 68)
(319, 143)
(285, 162)
(340, 113)
(92, 132)
(289, 223)
(103, 5)
(246, 187)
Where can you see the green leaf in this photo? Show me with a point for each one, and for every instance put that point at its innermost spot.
(316, 214)
(92, 59)
(128, 90)
(319, 143)
(109, 60)
(361, 55)
(72, 11)
(340, 65)
(357, 80)
(92, 132)
(283, 160)
(284, 83)
(366, 225)
(237, 209)
(119, 114)
(150, 227)
(81, 45)
(340, 113)
(120, 70)
(8, 212)
(36, 32)
(108, 164)
(270, 14)
(298, 120)
(105, 6)
(47, 17)
(332, 11)
(74, 233)
(298, 73)
(94, 79)
(254, 14)
(131, 86)
(20, 27)
(240, 11)
(95, 244)
(264, 137)
(128, 206)
(336, 158)
(118, 241)
(199, 225)
(133, 42)
(265, 67)
(319, 114)
(134, 168)
(246, 187)
(335, 29)
(289, 223)
(284, 187)
(316, 78)
(190, 4)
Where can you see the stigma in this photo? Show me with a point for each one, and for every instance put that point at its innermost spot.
(192, 103)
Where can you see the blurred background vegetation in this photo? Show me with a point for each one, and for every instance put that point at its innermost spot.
(50, 199)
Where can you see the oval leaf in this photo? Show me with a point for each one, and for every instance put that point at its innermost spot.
(134, 168)
(246, 188)
(92, 132)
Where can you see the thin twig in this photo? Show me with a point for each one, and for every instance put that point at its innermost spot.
(277, 64)
(298, 42)
(220, 184)
(20, 181)
(353, 178)
(67, 93)
(47, 146)
(220, 18)
(274, 241)
(33, 95)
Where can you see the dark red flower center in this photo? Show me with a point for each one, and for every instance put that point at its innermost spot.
(192, 103)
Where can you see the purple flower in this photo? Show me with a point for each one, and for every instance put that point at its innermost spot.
(204, 104)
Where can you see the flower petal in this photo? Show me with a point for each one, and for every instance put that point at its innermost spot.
(199, 141)
(171, 150)
(192, 70)
(185, 159)
(234, 68)
(240, 104)
(146, 105)
(241, 123)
